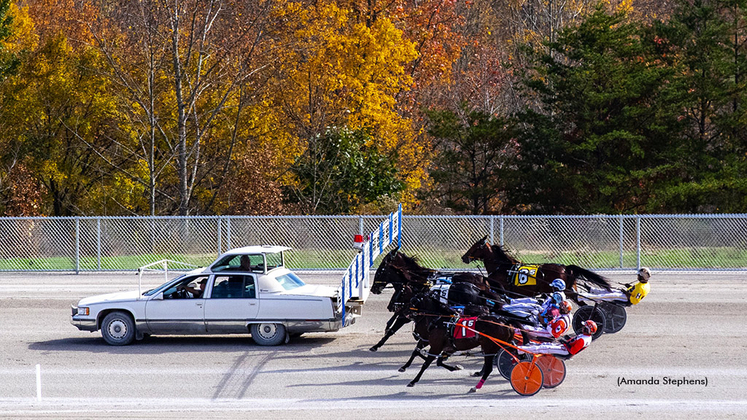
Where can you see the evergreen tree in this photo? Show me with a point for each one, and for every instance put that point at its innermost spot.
(604, 135)
(341, 171)
(708, 39)
(472, 157)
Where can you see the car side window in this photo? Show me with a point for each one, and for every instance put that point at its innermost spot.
(233, 287)
(188, 287)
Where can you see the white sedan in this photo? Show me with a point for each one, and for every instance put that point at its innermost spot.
(246, 290)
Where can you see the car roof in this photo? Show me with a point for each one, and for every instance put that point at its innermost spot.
(257, 249)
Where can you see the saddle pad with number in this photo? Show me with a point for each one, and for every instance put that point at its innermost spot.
(442, 292)
(465, 328)
(526, 275)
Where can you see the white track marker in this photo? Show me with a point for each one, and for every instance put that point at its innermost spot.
(38, 383)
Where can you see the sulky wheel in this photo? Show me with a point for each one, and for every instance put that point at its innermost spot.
(615, 317)
(589, 312)
(526, 378)
(505, 363)
(553, 370)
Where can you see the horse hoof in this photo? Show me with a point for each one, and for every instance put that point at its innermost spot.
(373, 348)
(458, 367)
(471, 390)
(410, 385)
(401, 370)
(476, 374)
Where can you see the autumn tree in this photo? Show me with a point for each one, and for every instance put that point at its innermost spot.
(181, 65)
(8, 60)
(335, 71)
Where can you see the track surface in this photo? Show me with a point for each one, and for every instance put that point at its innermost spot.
(690, 326)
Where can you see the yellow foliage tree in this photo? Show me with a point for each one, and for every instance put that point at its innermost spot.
(332, 70)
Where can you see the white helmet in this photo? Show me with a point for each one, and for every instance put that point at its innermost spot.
(558, 284)
(644, 273)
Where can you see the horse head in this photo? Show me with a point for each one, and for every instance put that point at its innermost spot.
(384, 274)
(478, 251)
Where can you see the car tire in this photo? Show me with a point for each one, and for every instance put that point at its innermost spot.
(268, 334)
(118, 329)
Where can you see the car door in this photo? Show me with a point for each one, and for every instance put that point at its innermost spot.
(231, 304)
(175, 314)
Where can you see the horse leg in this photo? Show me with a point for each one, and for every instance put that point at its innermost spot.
(440, 362)
(487, 368)
(390, 332)
(417, 352)
(391, 321)
(428, 361)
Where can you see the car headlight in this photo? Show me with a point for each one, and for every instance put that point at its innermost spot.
(83, 311)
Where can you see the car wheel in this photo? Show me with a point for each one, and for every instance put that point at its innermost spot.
(268, 334)
(118, 329)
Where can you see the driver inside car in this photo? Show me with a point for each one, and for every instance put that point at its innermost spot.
(195, 293)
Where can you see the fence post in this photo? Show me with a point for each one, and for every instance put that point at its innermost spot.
(638, 241)
(621, 240)
(360, 225)
(98, 243)
(492, 229)
(399, 227)
(228, 233)
(501, 230)
(220, 234)
(77, 245)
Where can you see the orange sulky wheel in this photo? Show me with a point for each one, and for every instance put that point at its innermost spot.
(553, 370)
(526, 378)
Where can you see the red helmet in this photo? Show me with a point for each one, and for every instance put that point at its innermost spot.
(565, 307)
(590, 327)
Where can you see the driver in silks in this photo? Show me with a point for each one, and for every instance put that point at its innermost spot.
(547, 311)
(633, 293)
(564, 347)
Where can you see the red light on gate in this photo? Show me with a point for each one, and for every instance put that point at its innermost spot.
(358, 242)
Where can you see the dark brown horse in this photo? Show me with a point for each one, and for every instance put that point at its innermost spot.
(413, 280)
(436, 326)
(506, 271)
(419, 274)
(404, 290)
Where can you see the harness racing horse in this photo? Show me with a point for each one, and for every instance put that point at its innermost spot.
(404, 290)
(407, 284)
(436, 327)
(502, 267)
(418, 273)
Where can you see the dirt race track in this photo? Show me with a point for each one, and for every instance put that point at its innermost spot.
(691, 326)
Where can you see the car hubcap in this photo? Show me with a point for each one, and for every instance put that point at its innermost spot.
(267, 331)
(117, 329)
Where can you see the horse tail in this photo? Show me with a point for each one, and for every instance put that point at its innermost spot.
(577, 273)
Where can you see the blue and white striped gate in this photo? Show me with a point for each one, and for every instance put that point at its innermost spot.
(356, 281)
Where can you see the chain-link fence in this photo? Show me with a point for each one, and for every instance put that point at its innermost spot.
(689, 242)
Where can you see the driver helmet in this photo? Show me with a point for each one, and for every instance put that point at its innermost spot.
(589, 328)
(644, 274)
(558, 284)
(557, 299)
(565, 307)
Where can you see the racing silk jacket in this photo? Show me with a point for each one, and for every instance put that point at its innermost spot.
(638, 291)
(578, 343)
(559, 325)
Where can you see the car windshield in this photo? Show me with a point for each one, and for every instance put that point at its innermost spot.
(152, 292)
(290, 281)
